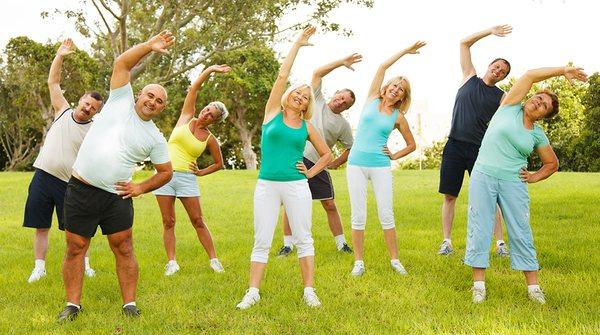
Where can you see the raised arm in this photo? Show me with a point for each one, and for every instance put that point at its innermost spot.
(378, 79)
(322, 149)
(324, 70)
(411, 145)
(215, 152)
(189, 105)
(129, 59)
(466, 64)
(273, 105)
(522, 86)
(59, 103)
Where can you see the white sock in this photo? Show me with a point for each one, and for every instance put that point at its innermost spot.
(130, 304)
(531, 288)
(87, 262)
(359, 263)
(340, 240)
(448, 240)
(253, 290)
(287, 241)
(172, 261)
(72, 304)
(498, 242)
(479, 285)
(309, 289)
(40, 264)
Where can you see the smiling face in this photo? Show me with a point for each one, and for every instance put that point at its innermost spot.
(152, 99)
(87, 107)
(539, 106)
(497, 71)
(341, 101)
(299, 98)
(395, 91)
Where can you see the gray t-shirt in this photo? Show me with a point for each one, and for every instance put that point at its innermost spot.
(332, 127)
(61, 145)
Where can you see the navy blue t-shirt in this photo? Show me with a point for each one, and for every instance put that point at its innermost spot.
(474, 106)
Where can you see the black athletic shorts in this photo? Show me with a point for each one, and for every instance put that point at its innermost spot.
(321, 187)
(87, 207)
(46, 192)
(457, 158)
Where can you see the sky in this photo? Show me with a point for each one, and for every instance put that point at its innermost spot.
(545, 33)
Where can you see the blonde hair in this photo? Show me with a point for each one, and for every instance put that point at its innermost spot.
(404, 104)
(307, 114)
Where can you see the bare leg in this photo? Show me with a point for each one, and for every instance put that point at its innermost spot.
(73, 266)
(478, 274)
(40, 243)
(448, 215)
(287, 230)
(167, 211)
(333, 217)
(192, 207)
(498, 225)
(257, 271)
(307, 268)
(390, 241)
(531, 277)
(121, 244)
(358, 238)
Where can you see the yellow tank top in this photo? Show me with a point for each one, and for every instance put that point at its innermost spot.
(184, 147)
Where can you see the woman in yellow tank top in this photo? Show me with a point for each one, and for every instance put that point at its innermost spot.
(189, 139)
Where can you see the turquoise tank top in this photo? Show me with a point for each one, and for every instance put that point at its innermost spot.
(373, 131)
(281, 148)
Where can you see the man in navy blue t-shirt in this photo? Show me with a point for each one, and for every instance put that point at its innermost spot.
(476, 102)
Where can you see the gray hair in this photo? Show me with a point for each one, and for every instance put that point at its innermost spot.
(221, 108)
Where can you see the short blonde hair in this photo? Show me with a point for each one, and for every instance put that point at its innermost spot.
(307, 114)
(404, 104)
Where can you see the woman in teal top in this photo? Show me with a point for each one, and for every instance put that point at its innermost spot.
(282, 178)
(500, 177)
(370, 157)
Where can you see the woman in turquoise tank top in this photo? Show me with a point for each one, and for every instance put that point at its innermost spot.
(500, 177)
(282, 178)
(187, 142)
(370, 157)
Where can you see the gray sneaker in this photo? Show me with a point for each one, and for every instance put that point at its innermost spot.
(131, 311)
(284, 251)
(346, 249)
(69, 313)
(445, 249)
(502, 250)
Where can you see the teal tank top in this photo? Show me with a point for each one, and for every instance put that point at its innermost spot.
(373, 131)
(281, 148)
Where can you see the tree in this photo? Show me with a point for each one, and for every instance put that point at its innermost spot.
(588, 146)
(432, 157)
(25, 110)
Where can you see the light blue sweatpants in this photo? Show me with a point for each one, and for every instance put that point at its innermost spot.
(513, 198)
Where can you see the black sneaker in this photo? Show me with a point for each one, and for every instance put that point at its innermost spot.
(284, 251)
(132, 311)
(69, 313)
(346, 249)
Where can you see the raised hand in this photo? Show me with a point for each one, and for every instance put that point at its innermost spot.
(413, 49)
(66, 48)
(128, 189)
(575, 73)
(501, 30)
(161, 42)
(223, 68)
(305, 35)
(352, 59)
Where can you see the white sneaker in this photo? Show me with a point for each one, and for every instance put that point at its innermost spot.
(397, 266)
(311, 299)
(478, 295)
(216, 265)
(537, 295)
(36, 274)
(90, 272)
(358, 269)
(171, 268)
(249, 299)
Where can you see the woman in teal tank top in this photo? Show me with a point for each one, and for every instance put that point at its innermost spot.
(500, 177)
(192, 136)
(282, 178)
(370, 157)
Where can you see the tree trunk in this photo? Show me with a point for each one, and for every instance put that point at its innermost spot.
(247, 153)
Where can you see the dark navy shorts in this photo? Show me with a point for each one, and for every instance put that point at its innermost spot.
(46, 192)
(87, 207)
(321, 187)
(457, 158)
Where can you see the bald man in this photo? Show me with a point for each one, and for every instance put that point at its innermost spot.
(100, 189)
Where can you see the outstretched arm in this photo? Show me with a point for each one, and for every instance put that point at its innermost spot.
(129, 59)
(322, 149)
(189, 105)
(215, 152)
(524, 84)
(466, 64)
(324, 70)
(273, 105)
(59, 103)
(404, 128)
(378, 79)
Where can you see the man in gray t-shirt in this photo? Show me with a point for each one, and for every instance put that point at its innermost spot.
(54, 162)
(329, 122)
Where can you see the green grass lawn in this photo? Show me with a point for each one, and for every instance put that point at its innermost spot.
(434, 298)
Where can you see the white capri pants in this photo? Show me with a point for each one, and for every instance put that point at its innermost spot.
(297, 201)
(381, 179)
